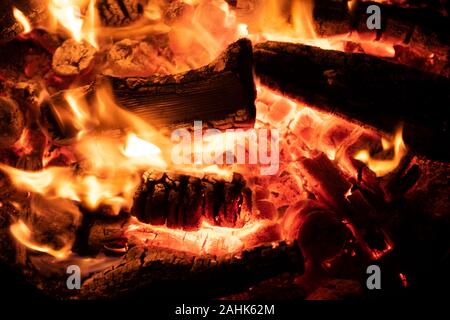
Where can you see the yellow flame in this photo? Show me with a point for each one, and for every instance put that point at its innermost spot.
(23, 234)
(383, 166)
(20, 17)
(68, 14)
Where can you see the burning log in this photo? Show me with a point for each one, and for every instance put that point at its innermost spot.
(362, 89)
(327, 183)
(183, 201)
(221, 94)
(168, 272)
(316, 228)
(11, 122)
(420, 28)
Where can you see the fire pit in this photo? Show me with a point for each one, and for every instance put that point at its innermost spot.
(242, 149)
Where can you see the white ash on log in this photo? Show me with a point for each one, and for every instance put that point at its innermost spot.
(362, 89)
(11, 122)
(183, 201)
(166, 272)
(221, 94)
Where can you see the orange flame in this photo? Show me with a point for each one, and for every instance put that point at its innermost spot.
(383, 166)
(24, 235)
(67, 13)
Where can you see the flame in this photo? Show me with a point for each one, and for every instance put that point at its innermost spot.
(382, 167)
(20, 17)
(112, 161)
(67, 13)
(24, 235)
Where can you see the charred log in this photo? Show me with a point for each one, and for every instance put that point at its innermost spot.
(421, 28)
(220, 94)
(184, 201)
(362, 89)
(120, 12)
(168, 272)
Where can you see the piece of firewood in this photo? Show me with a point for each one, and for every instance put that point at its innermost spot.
(165, 272)
(117, 13)
(221, 94)
(420, 28)
(184, 201)
(362, 89)
(11, 122)
(326, 181)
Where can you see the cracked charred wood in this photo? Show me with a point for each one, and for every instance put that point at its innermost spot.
(166, 272)
(115, 13)
(221, 94)
(328, 184)
(363, 89)
(184, 201)
(11, 122)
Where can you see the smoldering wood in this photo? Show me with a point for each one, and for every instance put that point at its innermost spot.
(221, 94)
(362, 89)
(421, 28)
(178, 200)
(329, 185)
(166, 272)
(11, 122)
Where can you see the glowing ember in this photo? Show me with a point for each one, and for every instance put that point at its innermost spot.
(206, 240)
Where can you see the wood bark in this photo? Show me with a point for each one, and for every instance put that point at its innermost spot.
(362, 89)
(165, 272)
(327, 183)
